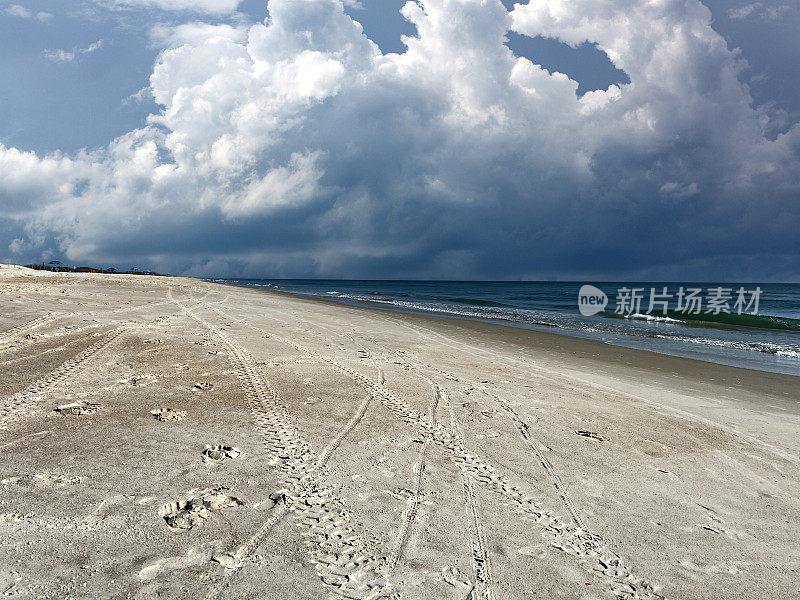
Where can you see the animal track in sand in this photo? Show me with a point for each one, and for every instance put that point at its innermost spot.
(590, 434)
(203, 386)
(186, 514)
(78, 408)
(168, 414)
(219, 452)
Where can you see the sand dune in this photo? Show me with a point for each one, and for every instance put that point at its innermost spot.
(170, 438)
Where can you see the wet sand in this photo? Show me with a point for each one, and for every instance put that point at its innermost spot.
(171, 438)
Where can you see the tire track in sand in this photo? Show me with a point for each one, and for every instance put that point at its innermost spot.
(587, 549)
(481, 569)
(19, 405)
(519, 423)
(524, 429)
(533, 445)
(590, 386)
(342, 561)
(410, 513)
(10, 334)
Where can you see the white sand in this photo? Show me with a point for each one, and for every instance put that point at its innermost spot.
(7, 271)
(164, 437)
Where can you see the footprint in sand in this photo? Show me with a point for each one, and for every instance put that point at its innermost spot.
(78, 408)
(533, 551)
(184, 515)
(704, 568)
(193, 558)
(203, 386)
(168, 414)
(219, 452)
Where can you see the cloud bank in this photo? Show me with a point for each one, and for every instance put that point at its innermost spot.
(295, 148)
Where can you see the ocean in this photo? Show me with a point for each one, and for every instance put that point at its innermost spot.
(714, 331)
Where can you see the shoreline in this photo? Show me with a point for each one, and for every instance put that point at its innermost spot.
(759, 353)
(700, 371)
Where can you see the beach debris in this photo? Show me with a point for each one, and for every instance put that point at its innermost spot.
(203, 386)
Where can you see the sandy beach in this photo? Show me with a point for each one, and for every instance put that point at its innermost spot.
(171, 438)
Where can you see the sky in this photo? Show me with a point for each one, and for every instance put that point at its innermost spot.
(443, 139)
